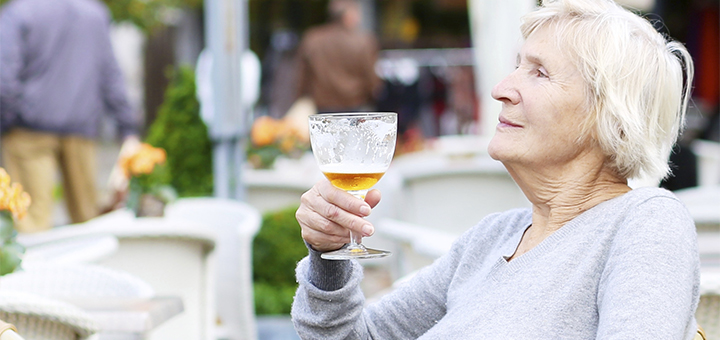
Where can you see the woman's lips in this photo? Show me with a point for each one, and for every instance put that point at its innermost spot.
(506, 123)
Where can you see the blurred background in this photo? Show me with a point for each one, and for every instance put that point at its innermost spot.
(437, 61)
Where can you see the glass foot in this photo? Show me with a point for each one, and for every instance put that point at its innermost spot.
(354, 253)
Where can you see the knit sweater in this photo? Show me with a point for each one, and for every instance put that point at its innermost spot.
(626, 269)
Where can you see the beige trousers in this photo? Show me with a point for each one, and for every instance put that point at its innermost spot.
(32, 159)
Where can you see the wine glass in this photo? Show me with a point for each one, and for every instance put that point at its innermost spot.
(354, 150)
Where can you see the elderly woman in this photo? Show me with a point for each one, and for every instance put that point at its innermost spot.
(598, 97)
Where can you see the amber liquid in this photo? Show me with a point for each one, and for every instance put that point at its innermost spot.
(353, 182)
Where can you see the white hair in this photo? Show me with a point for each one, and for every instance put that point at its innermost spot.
(637, 82)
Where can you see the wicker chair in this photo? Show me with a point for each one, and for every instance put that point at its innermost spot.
(68, 281)
(235, 225)
(40, 318)
(174, 257)
(8, 332)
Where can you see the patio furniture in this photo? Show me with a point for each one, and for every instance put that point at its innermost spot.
(708, 159)
(235, 225)
(67, 281)
(8, 332)
(80, 249)
(454, 191)
(40, 318)
(708, 315)
(282, 185)
(175, 257)
(123, 306)
(703, 203)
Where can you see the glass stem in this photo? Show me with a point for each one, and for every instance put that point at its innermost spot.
(356, 239)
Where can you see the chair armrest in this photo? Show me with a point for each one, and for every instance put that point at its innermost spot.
(10, 334)
(424, 240)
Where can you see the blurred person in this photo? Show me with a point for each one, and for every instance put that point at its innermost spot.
(336, 62)
(58, 76)
(597, 97)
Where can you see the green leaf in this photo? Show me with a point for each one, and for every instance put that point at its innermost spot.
(10, 258)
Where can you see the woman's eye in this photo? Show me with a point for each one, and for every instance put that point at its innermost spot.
(541, 73)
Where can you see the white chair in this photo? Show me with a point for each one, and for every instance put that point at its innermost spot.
(80, 249)
(93, 285)
(40, 318)
(454, 193)
(174, 257)
(235, 224)
(703, 203)
(416, 246)
(69, 281)
(708, 155)
(8, 331)
(281, 186)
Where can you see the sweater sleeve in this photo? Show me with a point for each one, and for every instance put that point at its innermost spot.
(406, 313)
(649, 287)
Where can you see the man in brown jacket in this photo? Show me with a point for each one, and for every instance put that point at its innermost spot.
(337, 62)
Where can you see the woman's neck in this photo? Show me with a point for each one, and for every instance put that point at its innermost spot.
(561, 193)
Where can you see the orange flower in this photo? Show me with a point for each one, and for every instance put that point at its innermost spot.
(143, 161)
(264, 131)
(12, 196)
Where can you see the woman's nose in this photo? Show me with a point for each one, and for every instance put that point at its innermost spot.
(506, 90)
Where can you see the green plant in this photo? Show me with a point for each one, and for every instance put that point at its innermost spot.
(277, 248)
(147, 14)
(10, 251)
(179, 130)
(14, 203)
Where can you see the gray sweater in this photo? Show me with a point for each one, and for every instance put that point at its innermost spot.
(626, 269)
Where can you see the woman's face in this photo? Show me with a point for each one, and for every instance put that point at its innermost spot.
(543, 106)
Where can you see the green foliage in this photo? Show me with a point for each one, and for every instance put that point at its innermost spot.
(277, 248)
(273, 299)
(147, 14)
(179, 130)
(10, 250)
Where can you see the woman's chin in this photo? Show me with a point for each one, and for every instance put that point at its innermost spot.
(495, 149)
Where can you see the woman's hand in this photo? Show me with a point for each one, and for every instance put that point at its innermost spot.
(326, 213)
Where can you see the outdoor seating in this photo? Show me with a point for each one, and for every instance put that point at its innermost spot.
(88, 286)
(452, 187)
(708, 161)
(176, 258)
(415, 246)
(235, 225)
(282, 185)
(41, 318)
(42, 248)
(68, 281)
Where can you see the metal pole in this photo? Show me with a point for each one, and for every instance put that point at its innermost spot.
(226, 37)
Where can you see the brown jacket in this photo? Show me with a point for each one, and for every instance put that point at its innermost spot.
(337, 67)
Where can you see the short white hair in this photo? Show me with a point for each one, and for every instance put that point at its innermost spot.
(637, 81)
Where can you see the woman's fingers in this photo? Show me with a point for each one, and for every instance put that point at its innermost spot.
(373, 197)
(326, 213)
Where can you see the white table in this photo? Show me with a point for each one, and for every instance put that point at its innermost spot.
(129, 318)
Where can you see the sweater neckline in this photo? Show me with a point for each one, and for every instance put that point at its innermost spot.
(504, 268)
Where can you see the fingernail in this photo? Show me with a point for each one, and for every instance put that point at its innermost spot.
(365, 210)
(368, 230)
